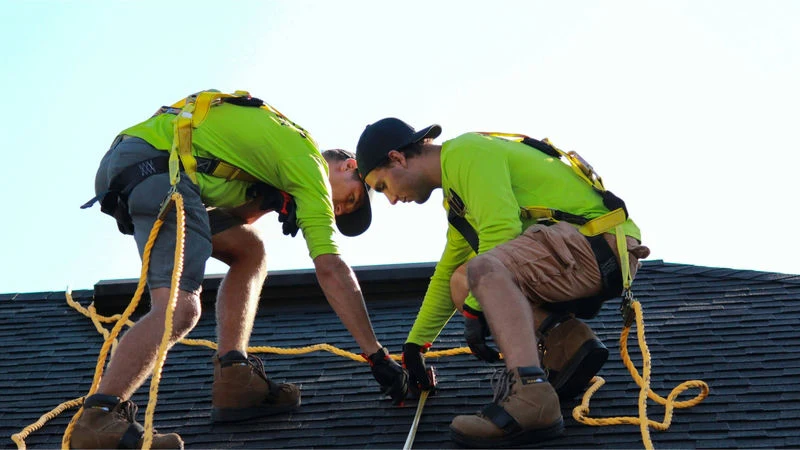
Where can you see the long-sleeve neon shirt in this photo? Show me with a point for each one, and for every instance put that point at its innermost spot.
(496, 177)
(266, 146)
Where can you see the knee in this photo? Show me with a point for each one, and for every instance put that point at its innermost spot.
(241, 245)
(482, 267)
(186, 315)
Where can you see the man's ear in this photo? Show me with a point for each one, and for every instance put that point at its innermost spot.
(350, 164)
(397, 157)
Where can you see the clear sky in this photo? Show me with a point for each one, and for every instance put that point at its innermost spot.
(688, 109)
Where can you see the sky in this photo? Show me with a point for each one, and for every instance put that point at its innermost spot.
(688, 109)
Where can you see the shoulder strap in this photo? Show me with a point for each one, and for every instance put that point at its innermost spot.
(193, 111)
(455, 215)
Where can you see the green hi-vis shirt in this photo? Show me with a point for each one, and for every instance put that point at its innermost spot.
(266, 146)
(496, 177)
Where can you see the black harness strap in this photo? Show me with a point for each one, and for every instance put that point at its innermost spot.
(455, 215)
(114, 201)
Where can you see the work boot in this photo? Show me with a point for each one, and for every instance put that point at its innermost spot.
(107, 422)
(242, 391)
(525, 411)
(570, 353)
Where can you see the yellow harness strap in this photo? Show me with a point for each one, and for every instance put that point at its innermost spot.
(624, 261)
(596, 226)
(194, 110)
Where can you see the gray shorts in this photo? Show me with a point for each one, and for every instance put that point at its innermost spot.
(144, 203)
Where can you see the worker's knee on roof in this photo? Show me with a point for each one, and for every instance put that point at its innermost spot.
(482, 267)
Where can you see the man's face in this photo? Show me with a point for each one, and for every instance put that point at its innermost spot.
(348, 189)
(400, 181)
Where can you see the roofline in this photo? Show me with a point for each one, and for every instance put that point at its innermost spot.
(296, 287)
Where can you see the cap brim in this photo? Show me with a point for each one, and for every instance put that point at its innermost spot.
(432, 132)
(358, 221)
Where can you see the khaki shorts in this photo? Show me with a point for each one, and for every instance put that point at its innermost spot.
(555, 263)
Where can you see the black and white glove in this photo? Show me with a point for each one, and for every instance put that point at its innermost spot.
(414, 363)
(476, 330)
(273, 199)
(392, 378)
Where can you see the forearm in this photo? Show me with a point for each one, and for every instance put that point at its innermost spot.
(339, 284)
(250, 211)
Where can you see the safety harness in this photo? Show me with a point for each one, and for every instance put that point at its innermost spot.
(613, 276)
(189, 114)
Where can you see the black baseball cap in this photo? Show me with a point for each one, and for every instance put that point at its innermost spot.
(386, 135)
(358, 221)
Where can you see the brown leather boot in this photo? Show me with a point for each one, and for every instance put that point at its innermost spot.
(525, 411)
(242, 391)
(570, 353)
(107, 422)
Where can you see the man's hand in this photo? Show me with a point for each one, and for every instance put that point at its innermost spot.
(413, 361)
(392, 378)
(476, 330)
(273, 199)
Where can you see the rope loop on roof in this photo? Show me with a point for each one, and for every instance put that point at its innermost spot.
(580, 413)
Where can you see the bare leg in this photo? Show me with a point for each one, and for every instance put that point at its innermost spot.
(237, 299)
(507, 310)
(136, 353)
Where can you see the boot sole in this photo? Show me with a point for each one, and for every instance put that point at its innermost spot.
(221, 415)
(518, 439)
(580, 370)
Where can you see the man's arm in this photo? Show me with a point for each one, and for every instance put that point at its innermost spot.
(341, 288)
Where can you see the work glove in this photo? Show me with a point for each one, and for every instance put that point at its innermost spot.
(274, 199)
(414, 363)
(392, 378)
(476, 330)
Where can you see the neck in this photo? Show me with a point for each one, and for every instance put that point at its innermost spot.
(432, 164)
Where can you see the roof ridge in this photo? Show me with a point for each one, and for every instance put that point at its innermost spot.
(659, 265)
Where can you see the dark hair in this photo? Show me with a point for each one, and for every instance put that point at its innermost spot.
(409, 151)
(337, 154)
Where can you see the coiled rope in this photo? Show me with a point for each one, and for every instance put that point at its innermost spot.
(580, 412)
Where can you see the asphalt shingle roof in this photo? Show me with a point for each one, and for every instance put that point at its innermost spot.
(734, 329)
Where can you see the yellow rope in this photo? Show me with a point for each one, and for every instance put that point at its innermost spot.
(167, 336)
(110, 339)
(19, 438)
(580, 412)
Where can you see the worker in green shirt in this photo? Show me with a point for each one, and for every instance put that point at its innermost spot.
(246, 160)
(515, 276)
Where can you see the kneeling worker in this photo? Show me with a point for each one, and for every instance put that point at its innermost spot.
(540, 248)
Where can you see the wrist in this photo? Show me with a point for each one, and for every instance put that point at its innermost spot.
(471, 313)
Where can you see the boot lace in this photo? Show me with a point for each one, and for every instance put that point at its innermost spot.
(502, 380)
(127, 410)
(258, 365)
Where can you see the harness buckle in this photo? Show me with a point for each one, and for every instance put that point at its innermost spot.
(166, 204)
(626, 307)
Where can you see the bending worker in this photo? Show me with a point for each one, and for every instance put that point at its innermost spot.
(244, 159)
(531, 259)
